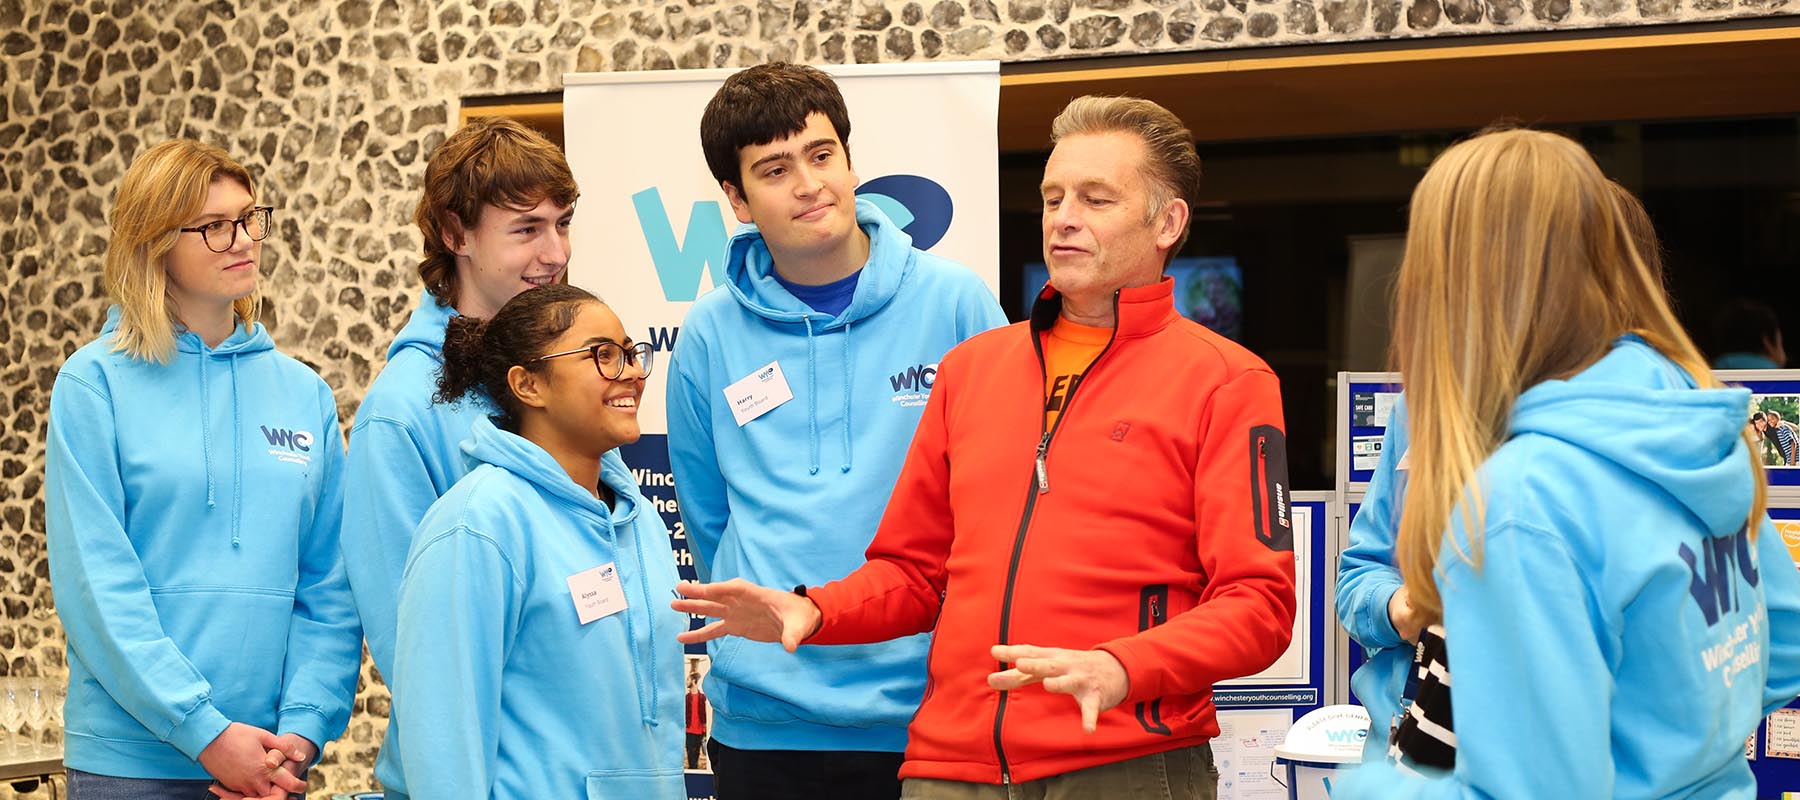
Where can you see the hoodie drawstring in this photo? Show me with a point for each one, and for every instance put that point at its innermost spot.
(237, 455)
(206, 431)
(812, 397)
(849, 372)
(646, 706)
(646, 710)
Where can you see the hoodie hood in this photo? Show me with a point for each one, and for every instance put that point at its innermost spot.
(424, 330)
(489, 444)
(750, 273)
(1637, 409)
(244, 340)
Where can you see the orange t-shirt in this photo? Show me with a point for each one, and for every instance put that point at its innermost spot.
(1069, 349)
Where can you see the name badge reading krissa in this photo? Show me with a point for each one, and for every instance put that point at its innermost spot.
(758, 393)
(597, 593)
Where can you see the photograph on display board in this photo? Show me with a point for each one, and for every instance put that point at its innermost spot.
(1774, 428)
(697, 715)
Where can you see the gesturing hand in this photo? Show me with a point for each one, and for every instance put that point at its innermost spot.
(247, 760)
(1094, 678)
(742, 608)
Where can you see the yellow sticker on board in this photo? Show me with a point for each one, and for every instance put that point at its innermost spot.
(1790, 535)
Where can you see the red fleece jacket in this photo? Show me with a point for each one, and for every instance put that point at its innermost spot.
(1151, 522)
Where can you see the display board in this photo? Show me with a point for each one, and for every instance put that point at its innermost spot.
(1256, 711)
(1365, 404)
(1352, 654)
(1365, 407)
(1775, 396)
(1775, 750)
(1297, 679)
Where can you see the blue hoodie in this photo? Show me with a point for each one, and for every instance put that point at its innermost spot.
(192, 512)
(1620, 599)
(405, 452)
(502, 692)
(808, 480)
(1368, 576)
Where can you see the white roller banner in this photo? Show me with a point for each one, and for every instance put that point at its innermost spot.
(651, 225)
(650, 228)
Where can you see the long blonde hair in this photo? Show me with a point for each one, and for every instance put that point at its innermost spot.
(163, 188)
(1521, 266)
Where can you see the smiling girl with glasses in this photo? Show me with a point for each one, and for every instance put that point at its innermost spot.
(536, 651)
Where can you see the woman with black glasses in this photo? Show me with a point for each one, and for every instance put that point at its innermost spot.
(536, 650)
(193, 494)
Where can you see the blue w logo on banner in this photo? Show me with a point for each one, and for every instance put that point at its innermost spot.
(678, 266)
(918, 205)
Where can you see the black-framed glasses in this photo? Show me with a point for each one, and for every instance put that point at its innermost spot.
(610, 358)
(221, 234)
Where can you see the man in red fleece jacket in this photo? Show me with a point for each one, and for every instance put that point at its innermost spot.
(1093, 516)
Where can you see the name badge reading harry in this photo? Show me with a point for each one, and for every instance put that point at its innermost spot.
(758, 393)
(597, 593)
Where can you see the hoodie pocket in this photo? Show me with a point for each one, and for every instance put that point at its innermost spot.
(238, 639)
(235, 639)
(636, 784)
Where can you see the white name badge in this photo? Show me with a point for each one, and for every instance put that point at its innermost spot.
(597, 593)
(758, 393)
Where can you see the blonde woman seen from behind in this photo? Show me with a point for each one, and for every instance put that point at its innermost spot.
(1583, 514)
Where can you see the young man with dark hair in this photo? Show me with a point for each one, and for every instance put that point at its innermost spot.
(792, 398)
(495, 217)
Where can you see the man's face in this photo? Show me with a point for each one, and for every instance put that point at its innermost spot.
(507, 251)
(1099, 233)
(1773, 418)
(799, 190)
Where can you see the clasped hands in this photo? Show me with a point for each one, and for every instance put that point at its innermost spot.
(249, 763)
(1094, 678)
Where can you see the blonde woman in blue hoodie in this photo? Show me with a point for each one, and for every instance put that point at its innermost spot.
(193, 495)
(536, 653)
(1581, 514)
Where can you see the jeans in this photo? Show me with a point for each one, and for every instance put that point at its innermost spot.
(88, 786)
